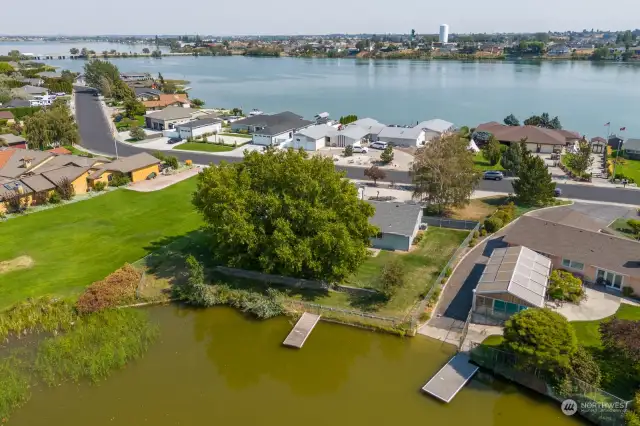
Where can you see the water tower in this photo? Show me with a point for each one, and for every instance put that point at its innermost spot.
(444, 33)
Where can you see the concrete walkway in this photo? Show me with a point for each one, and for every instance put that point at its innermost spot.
(163, 181)
(598, 305)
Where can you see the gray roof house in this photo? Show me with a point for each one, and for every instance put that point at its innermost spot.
(167, 118)
(272, 129)
(398, 222)
(50, 74)
(402, 136)
(17, 103)
(350, 135)
(33, 90)
(373, 126)
(313, 138)
(632, 148)
(435, 128)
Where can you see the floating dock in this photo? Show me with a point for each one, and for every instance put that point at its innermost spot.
(301, 330)
(447, 382)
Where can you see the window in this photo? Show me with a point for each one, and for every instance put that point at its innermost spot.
(610, 279)
(572, 264)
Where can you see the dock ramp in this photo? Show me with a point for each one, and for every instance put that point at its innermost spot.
(301, 330)
(448, 381)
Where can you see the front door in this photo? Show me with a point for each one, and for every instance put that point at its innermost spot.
(610, 279)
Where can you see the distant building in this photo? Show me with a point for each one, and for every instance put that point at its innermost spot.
(444, 33)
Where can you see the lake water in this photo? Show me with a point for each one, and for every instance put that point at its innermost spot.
(584, 95)
(49, 48)
(216, 367)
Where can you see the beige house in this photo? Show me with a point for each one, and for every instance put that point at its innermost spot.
(137, 168)
(578, 246)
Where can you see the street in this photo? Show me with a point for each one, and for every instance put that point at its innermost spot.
(95, 136)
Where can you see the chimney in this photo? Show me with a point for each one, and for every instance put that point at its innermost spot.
(26, 162)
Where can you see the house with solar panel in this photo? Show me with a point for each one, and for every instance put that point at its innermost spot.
(515, 278)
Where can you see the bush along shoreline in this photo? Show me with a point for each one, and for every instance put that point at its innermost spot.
(82, 342)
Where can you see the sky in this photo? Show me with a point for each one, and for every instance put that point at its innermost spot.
(264, 17)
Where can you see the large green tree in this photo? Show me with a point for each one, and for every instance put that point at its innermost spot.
(492, 151)
(534, 185)
(543, 337)
(284, 213)
(53, 126)
(511, 120)
(512, 156)
(443, 173)
(581, 160)
(105, 76)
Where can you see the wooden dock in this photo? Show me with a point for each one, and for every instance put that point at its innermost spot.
(447, 382)
(301, 330)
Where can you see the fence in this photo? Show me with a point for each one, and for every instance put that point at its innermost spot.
(274, 279)
(340, 315)
(415, 314)
(593, 403)
(449, 223)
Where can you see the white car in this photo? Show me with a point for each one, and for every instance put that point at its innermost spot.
(360, 149)
(379, 145)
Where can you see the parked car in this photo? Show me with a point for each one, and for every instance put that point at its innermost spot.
(174, 140)
(360, 149)
(378, 145)
(493, 175)
(557, 192)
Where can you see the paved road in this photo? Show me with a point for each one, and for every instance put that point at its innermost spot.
(95, 136)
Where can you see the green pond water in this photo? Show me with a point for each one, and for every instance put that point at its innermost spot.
(216, 367)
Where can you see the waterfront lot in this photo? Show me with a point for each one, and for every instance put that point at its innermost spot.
(74, 245)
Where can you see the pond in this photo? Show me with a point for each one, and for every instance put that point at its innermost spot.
(215, 367)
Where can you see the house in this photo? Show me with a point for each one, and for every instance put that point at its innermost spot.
(398, 223)
(349, 136)
(17, 103)
(615, 142)
(402, 136)
(137, 168)
(33, 81)
(167, 118)
(34, 175)
(538, 139)
(7, 115)
(559, 50)
(515, 278)
(13, 141)
(147, 93)
(435, 129)
(271, 129)
(579, 248)
(60, 151)
(164, 101)
(632, 148)
(314, 137)
(199, 127)
(598, 145)
(373, 127)
(34, 90)
(135, 76)
(49, 74)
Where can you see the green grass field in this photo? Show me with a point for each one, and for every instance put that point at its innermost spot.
(422, 266)
(481, 163)
(237, 135)
(77, 244)
(630, 168)
(621, 226)
(204, 146)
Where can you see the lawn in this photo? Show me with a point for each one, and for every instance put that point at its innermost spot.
(479, 208)
(77, 244)
(622, 228)
(126, 122)
(204, 146)
(630, 168)
(481, 163)
(237, 135)
(422, 266)
(76, 151)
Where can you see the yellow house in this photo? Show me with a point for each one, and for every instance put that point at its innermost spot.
(137, 168)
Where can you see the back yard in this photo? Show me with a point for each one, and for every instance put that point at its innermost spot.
(630, 169)
(73, 245)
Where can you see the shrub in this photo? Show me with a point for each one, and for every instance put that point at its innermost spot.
(99, 186)
(418, 238)
(433, 299)
(36, 316)
(65, 189)
(188, 163)
(55, 198)
(159, 155)
(348, 151)
(448, 272)
(137, 133)
(172, 162)
(118, 179)
(544, 337)
(476, 234)
(627, 291)
(473, 242)
(493, 224)
(15, 203)
(503, 216)
(115, 290)
(392, 277)
(584, 367)
(483, 232)
(564, 285)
